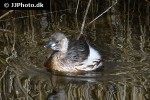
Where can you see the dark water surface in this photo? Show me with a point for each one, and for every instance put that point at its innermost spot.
(122, 35)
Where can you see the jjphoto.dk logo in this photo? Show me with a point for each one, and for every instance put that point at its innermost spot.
(13, 5)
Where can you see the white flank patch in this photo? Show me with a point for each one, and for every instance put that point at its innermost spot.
(93, 56)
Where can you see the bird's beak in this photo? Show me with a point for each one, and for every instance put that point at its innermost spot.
(50, 44)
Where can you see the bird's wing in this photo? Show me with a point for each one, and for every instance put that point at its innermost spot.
(78, 51)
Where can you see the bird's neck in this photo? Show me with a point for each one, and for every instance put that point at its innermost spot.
(64, 48)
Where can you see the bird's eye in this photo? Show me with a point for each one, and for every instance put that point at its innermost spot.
(57, 41)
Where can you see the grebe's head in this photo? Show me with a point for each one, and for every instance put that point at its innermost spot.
(58, 42)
